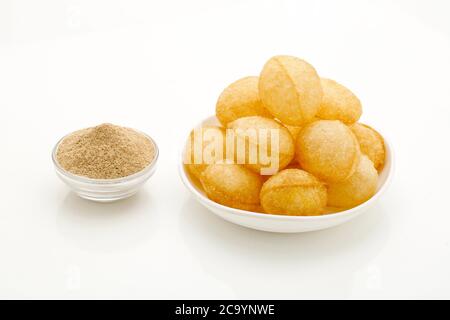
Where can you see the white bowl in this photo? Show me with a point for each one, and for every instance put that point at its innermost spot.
(280, 223)
(105, 190)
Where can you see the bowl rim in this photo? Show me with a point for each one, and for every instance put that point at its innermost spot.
(184, 175)
(87, 180)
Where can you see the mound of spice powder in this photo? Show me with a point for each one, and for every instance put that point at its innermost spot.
(105, 152)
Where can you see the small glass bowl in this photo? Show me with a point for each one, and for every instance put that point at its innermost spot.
(106, 190)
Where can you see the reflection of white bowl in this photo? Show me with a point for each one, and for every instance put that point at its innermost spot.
(279, 223)
(105, 190)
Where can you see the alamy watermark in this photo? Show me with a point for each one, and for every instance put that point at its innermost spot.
(259, 147)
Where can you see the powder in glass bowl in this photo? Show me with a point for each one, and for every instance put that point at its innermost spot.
(105, 152)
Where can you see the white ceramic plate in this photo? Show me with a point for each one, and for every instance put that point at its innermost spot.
(279, 223)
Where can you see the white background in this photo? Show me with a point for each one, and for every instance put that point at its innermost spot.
(159, 67)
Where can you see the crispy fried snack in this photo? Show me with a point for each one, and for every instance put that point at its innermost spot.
(293, 165)
(294, 130)
(232, 185)
(371, 143)
(205, 146)
(290, 89)
(262, 148)
(293, 192)
(338, 103)
(360, 187)
(240, 99)
(329, 150)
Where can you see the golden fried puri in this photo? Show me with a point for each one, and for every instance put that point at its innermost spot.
(232, 185)
(331, 210)
(371, 143)
(293, 165)
(240, 99)
(292, 145)
(205, 145)
(294, 130)
(290, 89)
(360, 187)
(328, 149)
(338, 103)
(262, 143)
(293, 192)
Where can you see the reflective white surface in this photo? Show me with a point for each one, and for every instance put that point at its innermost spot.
(159, 67)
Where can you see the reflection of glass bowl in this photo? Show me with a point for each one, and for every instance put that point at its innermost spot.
(280, 223)
(105, 190)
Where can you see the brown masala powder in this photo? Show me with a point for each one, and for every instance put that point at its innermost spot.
(105, 152)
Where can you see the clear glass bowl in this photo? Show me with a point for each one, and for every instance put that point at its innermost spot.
(105, 190)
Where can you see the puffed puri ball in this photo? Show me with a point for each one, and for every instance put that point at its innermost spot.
(263, 145)
(338, 103)
(205, 146)
(290, 89)
(240, 99)
(371, 144)
(232, 185)
(293, 192)
(294, 131)
(359, 188)
(328, 149)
